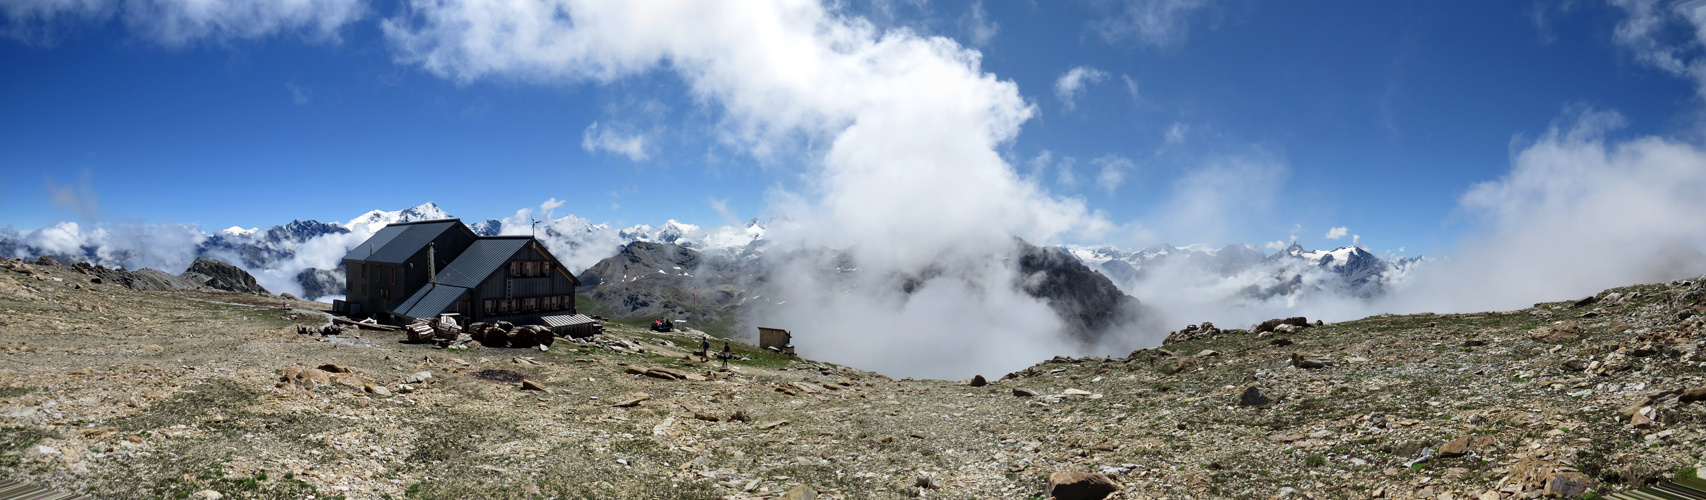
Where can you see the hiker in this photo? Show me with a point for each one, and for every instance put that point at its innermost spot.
(705, 348)
(726, 354)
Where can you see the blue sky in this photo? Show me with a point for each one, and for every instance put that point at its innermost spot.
(1374, 116)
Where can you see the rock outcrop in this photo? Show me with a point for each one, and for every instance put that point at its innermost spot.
(221, 276)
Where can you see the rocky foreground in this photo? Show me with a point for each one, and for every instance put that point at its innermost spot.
(122, 393)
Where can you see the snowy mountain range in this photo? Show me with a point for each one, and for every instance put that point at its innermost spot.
(1347, 271)
(302, 257)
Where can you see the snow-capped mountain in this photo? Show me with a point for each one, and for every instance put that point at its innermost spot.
(302, 257)
(1350, 270)
(258, 248)
(377, 219)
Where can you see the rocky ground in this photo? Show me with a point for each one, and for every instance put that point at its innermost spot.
(143, 394)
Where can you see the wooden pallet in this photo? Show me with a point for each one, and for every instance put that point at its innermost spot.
(1681, 489)
(19, 490)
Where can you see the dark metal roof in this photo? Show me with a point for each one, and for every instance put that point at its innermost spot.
(480, 260)
(397, 242)
(430, 300)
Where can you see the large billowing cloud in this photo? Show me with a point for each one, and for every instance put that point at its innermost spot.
(904, 128)
(1579, 212)
(181, 22)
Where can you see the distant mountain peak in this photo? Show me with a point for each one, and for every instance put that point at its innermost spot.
(376, 219)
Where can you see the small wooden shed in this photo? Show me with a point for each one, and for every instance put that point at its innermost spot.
(777, 338)
(573, 326)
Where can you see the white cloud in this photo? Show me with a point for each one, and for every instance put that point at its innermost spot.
(1131, 88)
(978, 25)
(1113, 170)
(1337, 232)
(1226, 196)
(1073, 82)
(722, 209)
(176, 23)
(1577, 213)
(1176, 133)
(298, 94)
(907, 125)
(1641, 31)
(1159, 23)
(601, 138)
(1065, 176)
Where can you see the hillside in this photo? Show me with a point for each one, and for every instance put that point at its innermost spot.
(144, 394)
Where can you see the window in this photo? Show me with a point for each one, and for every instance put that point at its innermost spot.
(364, 288)
(462, 308)
(491, 306)
(393, 275)
(510, 306)
(385, 293)
(545, 268)
(363, 270)
(530, 305)
(514, 268)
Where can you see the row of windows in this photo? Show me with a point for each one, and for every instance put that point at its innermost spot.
(529, 268)
(388, 273)
(531, 304)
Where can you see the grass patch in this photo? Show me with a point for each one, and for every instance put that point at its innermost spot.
(220, 396)
(12, 392)
(13, 440)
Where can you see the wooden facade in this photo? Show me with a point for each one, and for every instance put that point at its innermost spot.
(496, 278)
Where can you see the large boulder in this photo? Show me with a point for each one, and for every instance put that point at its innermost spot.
(219, 275)
(1077, 485)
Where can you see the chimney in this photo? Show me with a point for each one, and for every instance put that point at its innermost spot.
(432, 264)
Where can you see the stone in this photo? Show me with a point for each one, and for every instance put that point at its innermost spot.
(1474, 343)
(1076, 485)
(633, 401)
(1463, 445)
(1023, 392)
(221, 276)
(773, 425)
(1575, 365)
(1307, 363)
(405, 388)
(377, 390)
(207, 495)
(1568, 485)
(1252, 396)
(422, 377)
(978, 381)
(1075, 392)
(1208, 353)
(1562, 331)
(801, 492)
(1272, 324)
(1279, 342)
(1692, 395)
(1640, 421)
(334, 368)
(529, 384)
(287, 296)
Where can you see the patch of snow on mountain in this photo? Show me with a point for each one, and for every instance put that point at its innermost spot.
(377, 219)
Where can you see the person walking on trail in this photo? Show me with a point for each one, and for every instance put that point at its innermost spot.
(725, 355)
(705, 348)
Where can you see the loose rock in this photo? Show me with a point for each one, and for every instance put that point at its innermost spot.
(1076, 485)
